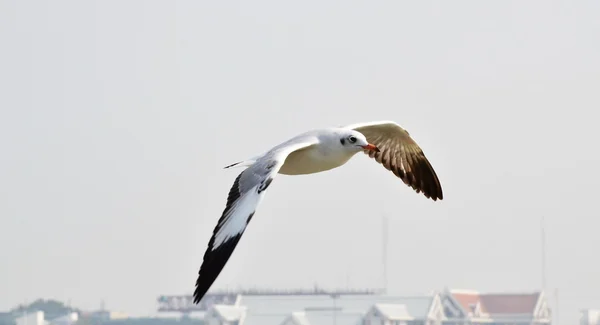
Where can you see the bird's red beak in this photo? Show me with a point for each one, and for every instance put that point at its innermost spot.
(371, 147)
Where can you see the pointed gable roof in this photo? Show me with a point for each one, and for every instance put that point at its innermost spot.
(296, 318)
(473, 302)
(392, 311)
(467, 299)
(512, 303)
(229, 313)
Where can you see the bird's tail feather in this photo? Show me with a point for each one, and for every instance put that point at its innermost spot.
(243, 163)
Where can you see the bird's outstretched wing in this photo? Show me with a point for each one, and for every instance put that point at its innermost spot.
(400, 154)
(244, 196)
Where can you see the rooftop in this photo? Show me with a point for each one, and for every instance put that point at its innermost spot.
(271, 310)
(497, 303)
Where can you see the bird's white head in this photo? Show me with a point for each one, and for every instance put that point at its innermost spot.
(355, 141)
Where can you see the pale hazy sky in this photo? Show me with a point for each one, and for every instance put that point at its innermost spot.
(118, 116)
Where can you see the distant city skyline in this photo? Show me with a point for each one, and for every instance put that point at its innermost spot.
(446, 306)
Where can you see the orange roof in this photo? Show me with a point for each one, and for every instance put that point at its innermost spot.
(510, 303)
(514, 303)
(466, 300)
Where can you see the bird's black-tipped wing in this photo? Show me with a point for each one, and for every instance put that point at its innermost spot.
(243, 199)
(400, 154)
(217, 254)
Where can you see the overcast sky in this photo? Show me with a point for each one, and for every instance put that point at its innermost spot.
(118, 116)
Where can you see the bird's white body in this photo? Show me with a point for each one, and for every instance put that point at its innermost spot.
(313, 160)
(323, 154)
(316, 158)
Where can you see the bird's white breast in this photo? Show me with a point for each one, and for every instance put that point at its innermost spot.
(314, 159)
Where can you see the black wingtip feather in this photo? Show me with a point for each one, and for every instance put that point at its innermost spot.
(214, 262)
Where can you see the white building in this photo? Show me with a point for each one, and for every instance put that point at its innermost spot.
(425, 310)
(68, 319)
(473, 308)
(387, 314)
(342, 310)
(225, 315)
(296, 318)
(38, 318)
(31, 318)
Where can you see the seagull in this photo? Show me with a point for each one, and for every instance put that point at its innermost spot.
(308, 153)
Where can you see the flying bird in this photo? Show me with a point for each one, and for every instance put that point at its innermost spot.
(311, 152)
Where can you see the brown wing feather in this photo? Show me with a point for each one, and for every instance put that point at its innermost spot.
(400, 154)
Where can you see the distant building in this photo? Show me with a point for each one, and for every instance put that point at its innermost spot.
(68, 319)
(590, 317)
(450, 307)
(463, 307)
(387, 314)
(38, 318)
(296, 318)
(420, 310)
(225, 315)
(104, 315)
(185, 303)
(31, 318)
(316, 317)
(339, 310)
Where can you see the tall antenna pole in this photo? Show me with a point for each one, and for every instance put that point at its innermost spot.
(384, 236)
(543, 255)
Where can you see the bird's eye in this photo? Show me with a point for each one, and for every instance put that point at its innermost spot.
(352, 139)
